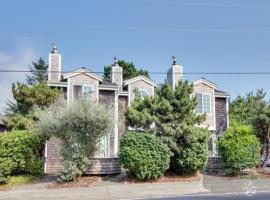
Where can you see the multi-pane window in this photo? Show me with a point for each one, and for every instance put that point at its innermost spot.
(83, 92)
(204, 103)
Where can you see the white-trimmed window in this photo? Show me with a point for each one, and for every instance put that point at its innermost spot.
(142, 93)
(103, 147)
(88, 91)
(204, 103)
(83, 92)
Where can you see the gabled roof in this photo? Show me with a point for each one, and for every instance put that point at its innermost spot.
(82, 71)
(205, 81)
(138, 78)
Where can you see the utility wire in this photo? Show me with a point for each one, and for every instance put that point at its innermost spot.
(101, 72)
(200, 3)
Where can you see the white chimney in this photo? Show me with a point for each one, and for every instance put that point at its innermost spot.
(54, 65)
(117, 74)
(175, 73)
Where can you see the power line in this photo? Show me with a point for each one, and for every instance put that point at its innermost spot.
(153, 72)
(196, 3)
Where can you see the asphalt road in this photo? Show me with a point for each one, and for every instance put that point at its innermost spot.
(257, 196)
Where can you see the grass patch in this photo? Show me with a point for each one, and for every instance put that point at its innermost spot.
(19, 180)
(249, 176)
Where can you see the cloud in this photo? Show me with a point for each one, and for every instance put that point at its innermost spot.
(19, 60)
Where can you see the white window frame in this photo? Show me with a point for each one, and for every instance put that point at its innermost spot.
(143, 90)
(213, 139)
(92, 91)
(106, 152)
(210, 102)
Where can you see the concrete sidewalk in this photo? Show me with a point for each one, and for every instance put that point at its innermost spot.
(115, 189)
(216, 185)
(108, 191)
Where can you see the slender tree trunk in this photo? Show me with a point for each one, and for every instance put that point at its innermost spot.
(266, 147)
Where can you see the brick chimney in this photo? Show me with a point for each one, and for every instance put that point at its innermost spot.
(117, 74)
(175, 73)
(54, 65)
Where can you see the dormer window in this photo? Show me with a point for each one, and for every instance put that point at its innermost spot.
(204, 103)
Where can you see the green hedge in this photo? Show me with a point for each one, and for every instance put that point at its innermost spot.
(144, 155)
(20, 153)
(239, 148)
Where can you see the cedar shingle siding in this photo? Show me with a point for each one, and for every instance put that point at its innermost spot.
(54, 162)
(107, 98)
(221, 114)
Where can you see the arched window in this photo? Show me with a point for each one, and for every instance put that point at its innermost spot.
(142, 93)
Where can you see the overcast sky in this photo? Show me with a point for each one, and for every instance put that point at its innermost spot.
(204, 35)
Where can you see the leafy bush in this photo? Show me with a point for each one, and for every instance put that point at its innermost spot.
(144, 155)
(239, 149)
(194, 156)
(79, 125)
(19, 153)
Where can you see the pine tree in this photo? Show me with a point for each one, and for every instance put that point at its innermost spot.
(175, 122)
(252, 109)
(129, 70)
(35, 94)
(38, 71)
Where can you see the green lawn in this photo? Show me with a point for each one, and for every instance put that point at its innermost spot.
(19, 180)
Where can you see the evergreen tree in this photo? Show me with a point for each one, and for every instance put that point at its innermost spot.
(175, 122)
(28, 97)
(129, 70)
(243, 109)
(38, 71)
(20, 114)
(254, 110)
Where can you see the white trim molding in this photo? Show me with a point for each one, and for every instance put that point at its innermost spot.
(82, 71)
(206, 82)
(45, 157)
(116, 141)
(138, 78)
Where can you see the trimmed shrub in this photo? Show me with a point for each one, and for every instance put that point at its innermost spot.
(194, 156)
(19, 153)
(144, 155)
(239, 148)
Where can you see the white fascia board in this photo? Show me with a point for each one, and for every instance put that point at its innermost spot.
(100, 87)
(57, 85)
(205, 82)
(138, 78)
(222, 95)
(82, 71)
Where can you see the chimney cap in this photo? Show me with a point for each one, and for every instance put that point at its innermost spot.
(115, 60)
(55, 49)
(174, 60)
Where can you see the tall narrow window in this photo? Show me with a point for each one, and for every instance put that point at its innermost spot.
(87, 92)
(103, 146)
(77, 92)
(204, 103)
